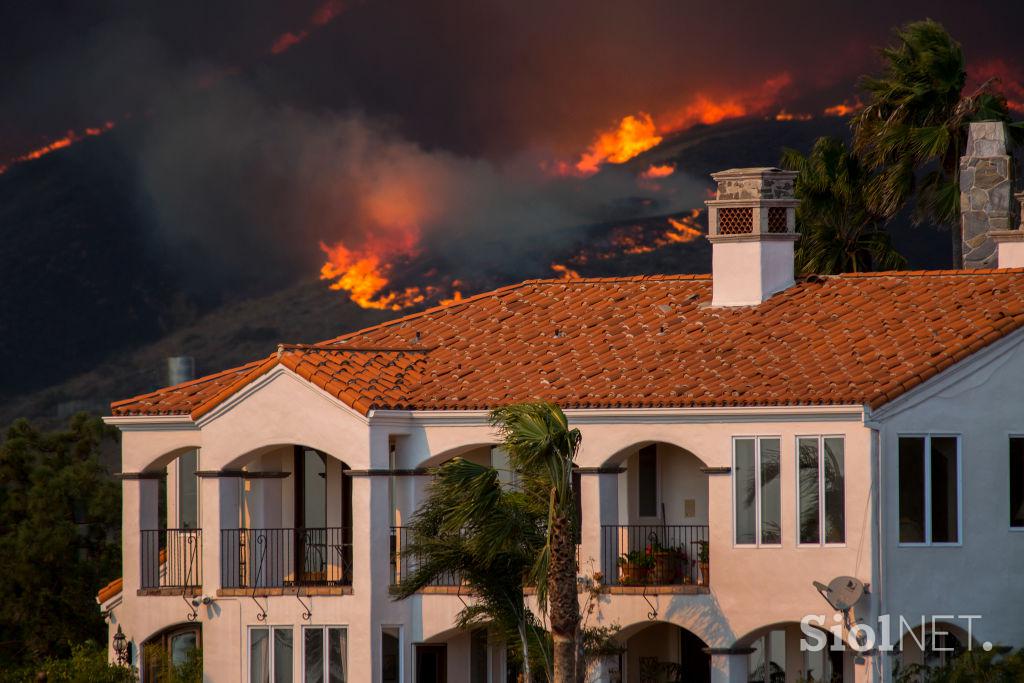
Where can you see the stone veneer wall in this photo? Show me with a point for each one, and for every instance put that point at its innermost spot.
(986, 184)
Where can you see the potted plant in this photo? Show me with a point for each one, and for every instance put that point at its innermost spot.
(634, 566)
(702, 562)
(668, 562)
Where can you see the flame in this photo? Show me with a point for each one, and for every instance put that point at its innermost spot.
(658, 171)
(565, 272)
(633, 135)
(365, 277)
(322, 15)
(685, 229)
(68, 139)
(844, 108)
(1008, 80)
(455, 298)
(784, 115)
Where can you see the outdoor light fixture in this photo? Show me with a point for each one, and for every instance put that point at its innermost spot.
(121, 647)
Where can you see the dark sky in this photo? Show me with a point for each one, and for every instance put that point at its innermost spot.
(477, 77)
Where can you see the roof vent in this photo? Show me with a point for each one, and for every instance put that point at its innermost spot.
(752, 228)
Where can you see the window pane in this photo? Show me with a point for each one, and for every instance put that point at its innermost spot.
(313, 654)
(745, 492)
(835, 490)
(182, 646)
(188, 498)
(315, 490)
(259, 656)
(944, 493)
(1017, 482)
(647, 486)
(337, 651)
(808, 491)
(389, 648)
(911, 489)
(282, 655)
(771, 492)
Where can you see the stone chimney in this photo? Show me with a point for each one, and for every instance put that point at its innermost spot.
(1010, 243)
(752, 228)
(985, 186)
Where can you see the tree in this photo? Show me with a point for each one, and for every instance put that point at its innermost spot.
(839, 233)
(998, 665)
(60, 519)
(542, 450)
(489, 537)
(914, 128)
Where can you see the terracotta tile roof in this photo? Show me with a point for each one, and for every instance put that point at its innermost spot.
(649, 342)
(110, 590)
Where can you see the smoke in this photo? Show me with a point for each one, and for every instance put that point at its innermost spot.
(249, 189)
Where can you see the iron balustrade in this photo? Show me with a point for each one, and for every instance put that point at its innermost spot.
(404, 563)
(286, 558)
(171, 558)
(653, 554)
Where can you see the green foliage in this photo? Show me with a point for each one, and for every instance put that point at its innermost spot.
(839, 233)
(87, 664)
(999, 665)
(60, 518)
(637, 558)
(914, 127)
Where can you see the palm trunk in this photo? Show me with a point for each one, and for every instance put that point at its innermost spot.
(524, 637)
(564, 606)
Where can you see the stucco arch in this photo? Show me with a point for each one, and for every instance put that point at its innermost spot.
(903, 638)
(621, 452)
(454, 452)
(239, 461)
(161, 461)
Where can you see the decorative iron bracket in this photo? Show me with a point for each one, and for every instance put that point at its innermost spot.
(192, 613)
(262, 614)
(653, 614)
(307, 610)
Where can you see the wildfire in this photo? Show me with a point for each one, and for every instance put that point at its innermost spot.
(784, 115)
(70, 138)
(323, 15)
(633, 135)
(1007, 79)
(658, 171)
(844, 108)
(565, 272)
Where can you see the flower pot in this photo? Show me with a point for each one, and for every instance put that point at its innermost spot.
(632, 574)
(705, 574)
(666, 567)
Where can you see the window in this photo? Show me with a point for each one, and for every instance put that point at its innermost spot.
(188, 491)
(929, 489)
(324, 654)
(270, 654)
(1017, 482)
(767, 662)
(390, 654)
(757, 490)
(647, 481)
(176, 646)
(820, 489)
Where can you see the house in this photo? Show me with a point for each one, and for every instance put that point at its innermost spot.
(865, 426)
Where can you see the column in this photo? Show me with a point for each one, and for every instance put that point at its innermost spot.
(599, 505)
(729, 666)
(139, 510)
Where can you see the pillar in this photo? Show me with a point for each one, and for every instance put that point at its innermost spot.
(985, 186)
(729, 666)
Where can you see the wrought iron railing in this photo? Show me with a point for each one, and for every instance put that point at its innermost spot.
(285, 558)
(403, 563)
(171, 558)
(654, 554)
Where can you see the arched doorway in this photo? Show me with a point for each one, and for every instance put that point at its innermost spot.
(664, 653)
(777, 656)
(931, 645)
(172, 650)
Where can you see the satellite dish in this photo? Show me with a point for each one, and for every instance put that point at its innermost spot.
(842, 592)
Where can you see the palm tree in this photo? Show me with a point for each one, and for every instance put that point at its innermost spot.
(489, 537)
(914, 128)
(839, 233)
(542, 450)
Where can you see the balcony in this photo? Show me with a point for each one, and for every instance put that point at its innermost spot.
(648, 555)
(315, 560)
(403, 563)
(171, 560)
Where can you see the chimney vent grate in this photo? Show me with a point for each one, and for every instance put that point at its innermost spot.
(777, 219)
(735, 220)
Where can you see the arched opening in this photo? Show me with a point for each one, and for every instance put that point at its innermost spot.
(660, 652)
(931, 645)
(170, 529)
(294, 520)
(166, 654)
(777, 656)
(658, 532)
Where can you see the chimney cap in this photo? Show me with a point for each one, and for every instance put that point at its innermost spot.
(752, 172)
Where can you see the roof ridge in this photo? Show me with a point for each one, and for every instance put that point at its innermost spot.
(333, 347)
(931, 273)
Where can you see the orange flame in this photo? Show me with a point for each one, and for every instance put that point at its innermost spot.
(455, 298)
(363, 275)
(784, 115)
(633, 135)
(844, 108)
(322, 15)
(70, 138)
(565, 272)
(658, 171)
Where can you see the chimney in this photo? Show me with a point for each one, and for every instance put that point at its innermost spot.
(985, 185)
(752, 228)
(180, 369)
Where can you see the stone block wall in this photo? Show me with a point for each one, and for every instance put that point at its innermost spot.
(986, 184)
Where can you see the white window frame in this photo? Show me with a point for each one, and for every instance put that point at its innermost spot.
(270, 647)
(326, 649)
(928, 543)
(757, 491)
(821, 489)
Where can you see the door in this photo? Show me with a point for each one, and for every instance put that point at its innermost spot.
(431, 663)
